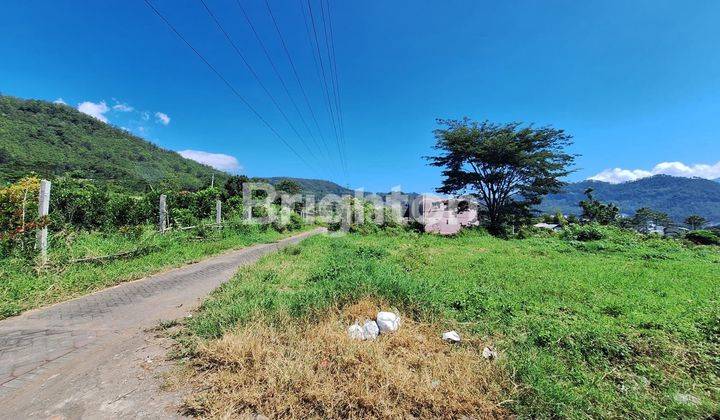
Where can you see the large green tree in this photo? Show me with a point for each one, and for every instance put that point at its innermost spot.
(508, 167)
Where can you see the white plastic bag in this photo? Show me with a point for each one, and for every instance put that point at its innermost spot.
(370, 330)
(387, 322)
(355, 332)
(451, 336)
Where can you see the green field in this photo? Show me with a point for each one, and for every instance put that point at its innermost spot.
(620, 327)
(23, 287)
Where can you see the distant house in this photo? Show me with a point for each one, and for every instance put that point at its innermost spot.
(548, 226)
(653, 228)
(446, 216)
(675, 230)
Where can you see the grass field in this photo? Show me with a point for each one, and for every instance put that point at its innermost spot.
(622, 327)
(23, 287)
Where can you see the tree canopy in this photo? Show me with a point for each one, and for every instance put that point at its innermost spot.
(508, 167)
(695, 222)
(596, 211)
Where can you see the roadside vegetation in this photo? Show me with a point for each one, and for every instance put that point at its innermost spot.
(100, 237)
(603, 324)
(89, 261)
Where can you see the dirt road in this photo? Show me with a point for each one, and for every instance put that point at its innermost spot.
(92, 358)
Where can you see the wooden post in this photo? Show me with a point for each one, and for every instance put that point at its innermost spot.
(218, 212)
(162, 214)
(43, 211)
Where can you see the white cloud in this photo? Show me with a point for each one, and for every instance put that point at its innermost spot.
(700, 170)
(123, 107)
(94, 110)
(59, 101)
(216, 160)
(162, 118)
(145, 115)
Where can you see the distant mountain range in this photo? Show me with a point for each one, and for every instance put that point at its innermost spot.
(317, 187)
(52, 139)
(678, 197)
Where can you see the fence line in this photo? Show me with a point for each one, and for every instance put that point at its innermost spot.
(44, 211)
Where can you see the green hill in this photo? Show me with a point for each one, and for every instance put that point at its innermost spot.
(51, 139)
(676, 196)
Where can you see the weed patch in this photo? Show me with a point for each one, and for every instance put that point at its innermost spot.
(311, 369)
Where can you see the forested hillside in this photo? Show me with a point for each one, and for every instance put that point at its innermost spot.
(51, 139)
(676, 196)
(318, 187)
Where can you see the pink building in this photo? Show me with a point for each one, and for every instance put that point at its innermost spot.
(446, 216)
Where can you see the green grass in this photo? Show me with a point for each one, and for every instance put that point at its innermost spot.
(611, 328)
(22, 287)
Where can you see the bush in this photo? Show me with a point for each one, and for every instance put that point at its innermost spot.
(703, 237)
(589, 233)
(183, 217)
(584, 233)
(287, 220)
(77, 202)
(19, 216)
(125, 210)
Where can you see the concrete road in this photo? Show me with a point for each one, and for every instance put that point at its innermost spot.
(92, 358)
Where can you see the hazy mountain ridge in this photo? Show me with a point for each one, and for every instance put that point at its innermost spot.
(677, 196)
(318, 187)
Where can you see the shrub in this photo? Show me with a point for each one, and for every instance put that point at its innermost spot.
(203, 203)
(589, 233)
(77, 202)
(19, 215)
(703, 237)
(183, 217)
(234, 207)
(18, 203)
(296, 221)
(126, 210)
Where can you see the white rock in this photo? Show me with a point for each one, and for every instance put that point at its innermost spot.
(686, 399)
(451, 336)
(370, 330)
(355, 332)
(387, 322)
(489, 353)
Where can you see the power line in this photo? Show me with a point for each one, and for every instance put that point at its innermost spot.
(228, 84)
(330, 46)
(294, 69)
(324, 81)
(257, 78)
(277, 73)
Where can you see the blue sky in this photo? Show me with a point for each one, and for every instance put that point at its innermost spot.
(636, 82)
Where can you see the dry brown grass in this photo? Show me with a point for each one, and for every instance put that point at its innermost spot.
(299, 369)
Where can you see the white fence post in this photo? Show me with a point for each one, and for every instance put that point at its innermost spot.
(43, 211)
(162, 214)
(218, 212)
